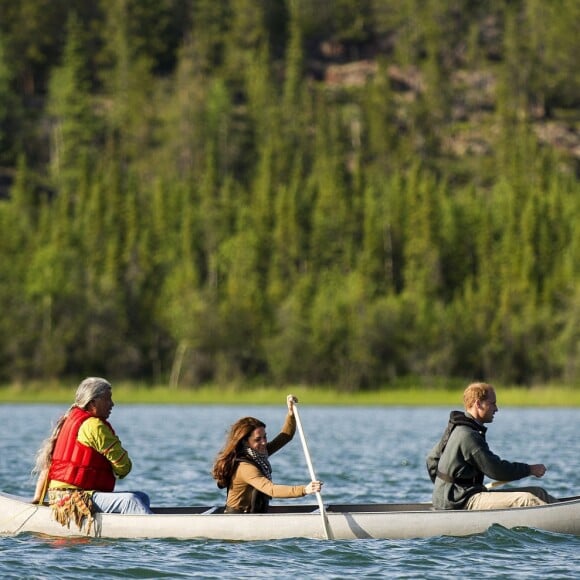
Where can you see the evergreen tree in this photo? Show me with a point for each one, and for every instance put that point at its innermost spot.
(246, 36)
(126, 76)
(8, 114)
(287, 238)
(422, 270)
(75, 126)
(330, 234)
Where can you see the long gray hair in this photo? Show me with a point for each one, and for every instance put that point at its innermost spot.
(90, 389)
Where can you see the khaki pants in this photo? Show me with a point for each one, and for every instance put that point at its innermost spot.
(520, 497)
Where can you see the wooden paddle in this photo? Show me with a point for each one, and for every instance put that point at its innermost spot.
(325, 524)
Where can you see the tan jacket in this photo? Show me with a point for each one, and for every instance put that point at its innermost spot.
(248, 476)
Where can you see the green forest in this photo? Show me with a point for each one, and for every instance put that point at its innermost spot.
(351, 193)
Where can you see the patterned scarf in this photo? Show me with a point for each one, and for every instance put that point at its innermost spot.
(260, 460)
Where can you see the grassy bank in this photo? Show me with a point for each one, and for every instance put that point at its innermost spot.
(549, 396)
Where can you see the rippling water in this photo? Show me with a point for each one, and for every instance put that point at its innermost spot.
(363, 455)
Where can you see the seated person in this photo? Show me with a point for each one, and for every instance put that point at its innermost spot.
(461, 459)
(80, 461)
(243, 466)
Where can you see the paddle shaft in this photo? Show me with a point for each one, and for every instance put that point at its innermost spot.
(311, 471)
(494, 484)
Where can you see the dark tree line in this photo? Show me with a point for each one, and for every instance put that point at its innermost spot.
(344, 193)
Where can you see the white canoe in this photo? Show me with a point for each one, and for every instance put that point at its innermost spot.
(345, 521)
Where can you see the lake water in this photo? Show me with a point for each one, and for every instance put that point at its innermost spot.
(370, 454)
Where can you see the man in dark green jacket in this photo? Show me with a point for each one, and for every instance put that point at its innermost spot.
(461, 459)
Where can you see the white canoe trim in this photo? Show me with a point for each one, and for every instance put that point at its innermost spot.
(346, 521)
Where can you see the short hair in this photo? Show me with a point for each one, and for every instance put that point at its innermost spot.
(476, 392)
(90, 389)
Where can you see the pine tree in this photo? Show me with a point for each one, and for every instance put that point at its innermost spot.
(286, 239)
(330, 233)
(8, 108)
(75, 125)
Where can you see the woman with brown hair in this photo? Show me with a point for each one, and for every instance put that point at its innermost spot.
(243, 465)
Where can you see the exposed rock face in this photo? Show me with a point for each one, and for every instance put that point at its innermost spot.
(474, 101)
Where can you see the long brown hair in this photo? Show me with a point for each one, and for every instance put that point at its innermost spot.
(225, 463)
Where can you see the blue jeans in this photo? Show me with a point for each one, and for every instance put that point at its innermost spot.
(122, 502)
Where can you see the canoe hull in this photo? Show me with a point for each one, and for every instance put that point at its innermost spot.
(346, 522)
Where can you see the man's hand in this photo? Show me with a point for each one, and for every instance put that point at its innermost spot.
(538, 469)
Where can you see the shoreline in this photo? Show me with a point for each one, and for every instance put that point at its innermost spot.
(134, 393)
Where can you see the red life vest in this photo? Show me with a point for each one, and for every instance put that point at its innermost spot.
(78, 464)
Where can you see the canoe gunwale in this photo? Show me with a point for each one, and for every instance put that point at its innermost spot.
(347, 521)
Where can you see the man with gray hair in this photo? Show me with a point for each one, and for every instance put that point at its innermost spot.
(80, 461)
(460, 460)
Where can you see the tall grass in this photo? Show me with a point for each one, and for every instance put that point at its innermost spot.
(125, 393)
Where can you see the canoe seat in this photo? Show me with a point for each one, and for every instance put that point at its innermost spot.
(194, 510)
